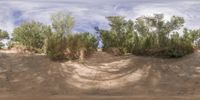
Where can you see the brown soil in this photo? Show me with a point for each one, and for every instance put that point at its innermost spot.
(100, 75)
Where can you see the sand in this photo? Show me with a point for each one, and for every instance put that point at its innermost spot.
(25, 76)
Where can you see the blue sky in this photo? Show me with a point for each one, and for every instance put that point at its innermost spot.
(91, 13)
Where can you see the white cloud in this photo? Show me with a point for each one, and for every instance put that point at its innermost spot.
(92, 12)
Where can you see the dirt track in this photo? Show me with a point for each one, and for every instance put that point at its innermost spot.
(100, 76)
(99, 98)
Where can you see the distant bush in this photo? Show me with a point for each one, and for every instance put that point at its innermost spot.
(31, 35)
(3, 35)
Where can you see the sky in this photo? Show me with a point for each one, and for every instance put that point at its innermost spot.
(91, 13)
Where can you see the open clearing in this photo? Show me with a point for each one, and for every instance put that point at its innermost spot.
(102, 76)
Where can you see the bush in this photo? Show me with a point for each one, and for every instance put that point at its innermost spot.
(179, 46)
(80, 45)
(55, 47)
(72, 46)
(1, 45)
(31, 35)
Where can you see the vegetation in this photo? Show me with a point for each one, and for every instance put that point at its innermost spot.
(80, 45)
(151, 36)
(56, 42)
(3, 35)
(55, 46)
(63, 44)
(31, 35)
(120, 36)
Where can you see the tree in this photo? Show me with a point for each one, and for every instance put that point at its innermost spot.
(62, 22)
(192, 36)
(56, 43)
(120, 36)
(148, 35)
(31, 35)
(158, 28)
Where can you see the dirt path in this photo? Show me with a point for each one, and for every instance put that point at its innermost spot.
(100, 75)
(99, 98)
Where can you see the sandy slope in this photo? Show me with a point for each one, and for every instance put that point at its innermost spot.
(100, 75)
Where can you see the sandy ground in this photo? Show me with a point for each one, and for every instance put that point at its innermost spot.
(26, 76)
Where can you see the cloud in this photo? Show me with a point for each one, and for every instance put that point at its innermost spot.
(91, 13)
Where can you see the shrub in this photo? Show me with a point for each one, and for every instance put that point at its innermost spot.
(55, 47)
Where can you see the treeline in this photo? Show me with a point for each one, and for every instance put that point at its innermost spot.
(56, 40)
(152, 36)
(149, 36)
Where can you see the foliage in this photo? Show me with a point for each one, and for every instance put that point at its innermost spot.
(56, 43)
(80, 42)
(192, 36)
(55, 46)
(62, 22)
(147, 35)
(151, 36)
(120, 36)
(31, 35)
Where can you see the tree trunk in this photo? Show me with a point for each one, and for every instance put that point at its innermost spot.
(82, 54)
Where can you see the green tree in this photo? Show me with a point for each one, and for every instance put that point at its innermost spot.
(31, 35)
(80, 45)
(56, 43)
(120, 36)
(192, 36)
(149, 35)
(153, 34)
(62, 22)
